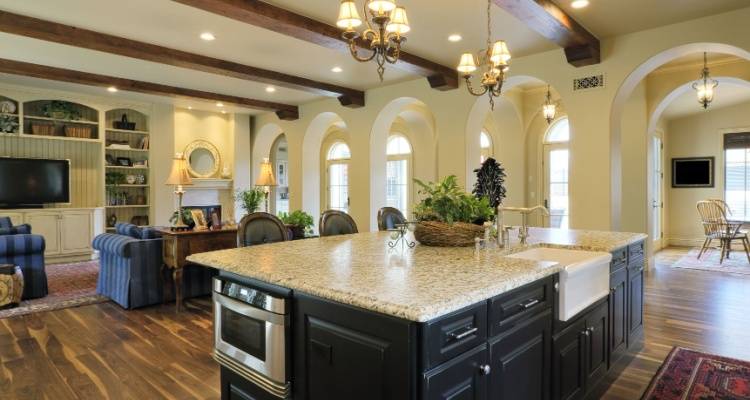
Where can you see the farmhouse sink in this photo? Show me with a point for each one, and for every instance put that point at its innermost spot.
(584, 278)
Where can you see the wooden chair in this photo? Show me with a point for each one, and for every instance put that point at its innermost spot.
(334, 222)
(389, 217)
(713, 215)
(259, 228)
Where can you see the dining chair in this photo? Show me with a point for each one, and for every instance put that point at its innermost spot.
(713, 214)
(389, 217)
(335, 222)
(260, 228)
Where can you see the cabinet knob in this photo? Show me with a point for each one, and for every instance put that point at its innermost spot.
(586, 332)
(485, 369)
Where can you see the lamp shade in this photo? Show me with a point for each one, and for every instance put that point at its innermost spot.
(399, 22)
(348, 16)
(179, 174)
(381, 7)
(266, 177)
(500, 55)
(467, 65)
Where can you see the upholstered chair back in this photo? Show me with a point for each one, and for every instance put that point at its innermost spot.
(259, 228)
(389, 217)
(334, 222)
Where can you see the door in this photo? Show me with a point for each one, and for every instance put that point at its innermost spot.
(47, 225)
(597, 324)
(568, 363)
(520, 361)
(618, 321)
(657, 203)
(76, 232)
(556, 162)
(462, 378)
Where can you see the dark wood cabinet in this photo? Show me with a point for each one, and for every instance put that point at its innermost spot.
(342, 352)
(597, 354)
(462, 378)
(235, 387)
(520, 360)
(618, 314)
(635, 302)
(453, 334)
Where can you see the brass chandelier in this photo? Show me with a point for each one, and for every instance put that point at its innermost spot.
(385, 40)
(494, 60)
(705, 85)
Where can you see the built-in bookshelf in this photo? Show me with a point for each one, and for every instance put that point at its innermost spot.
(127, 167)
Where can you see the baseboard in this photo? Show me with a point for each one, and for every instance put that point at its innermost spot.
(697, 242)
(68, 258)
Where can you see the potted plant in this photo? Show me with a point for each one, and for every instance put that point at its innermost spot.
(187, 218)
(448, 216)
(250, 199)
(298, 222)
(490, 182)
(112, 179)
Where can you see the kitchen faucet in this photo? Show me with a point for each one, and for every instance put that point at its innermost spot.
(523, 231)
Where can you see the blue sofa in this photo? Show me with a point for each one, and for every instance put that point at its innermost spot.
(130, 272)
(19, 247)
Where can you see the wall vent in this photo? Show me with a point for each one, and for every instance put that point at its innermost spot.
(588, 82)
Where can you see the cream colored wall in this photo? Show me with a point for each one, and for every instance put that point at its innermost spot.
(162, 150)
(698, 135)
(191, 125)
(635, 162)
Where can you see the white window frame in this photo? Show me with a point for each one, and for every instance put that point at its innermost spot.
(337, 161)
(409, 176)
(547, 147)
(486, 152)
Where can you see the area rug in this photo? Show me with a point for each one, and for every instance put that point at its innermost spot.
(692, 375)
(70, 285)
(709, 261)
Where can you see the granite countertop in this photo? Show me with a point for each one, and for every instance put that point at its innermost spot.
(417, 284)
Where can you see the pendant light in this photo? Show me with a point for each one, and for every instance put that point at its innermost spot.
(705, 85)
(549, 108)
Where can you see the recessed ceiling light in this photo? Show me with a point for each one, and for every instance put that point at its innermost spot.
(190, 107)
(270, 89)
(219, 104)
(112, 89)
(207, 36)
(336, 69)
(455, 37)
(223, 111)
(579, 3)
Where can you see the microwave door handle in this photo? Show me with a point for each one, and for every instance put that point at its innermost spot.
(250, 311)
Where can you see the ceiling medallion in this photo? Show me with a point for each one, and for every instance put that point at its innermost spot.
(385, 40)
(494, 59)
(705, 85)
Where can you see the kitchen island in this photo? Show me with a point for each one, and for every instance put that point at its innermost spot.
(370, 322)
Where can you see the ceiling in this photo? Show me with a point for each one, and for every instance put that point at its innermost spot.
(727, 95)
(174, 25)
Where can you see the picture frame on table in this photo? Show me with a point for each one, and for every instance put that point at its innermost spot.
(199, 218)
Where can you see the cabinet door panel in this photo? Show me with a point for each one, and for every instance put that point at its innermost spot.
(46, 224)
(75, 232)
(568, 363)
(635, 302)
(597, 324)
(618, 309)
(458, 379)
(520, 361)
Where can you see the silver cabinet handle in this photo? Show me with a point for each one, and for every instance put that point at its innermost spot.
(485, 369)
(459, 336)
(529, 303)
(586, 332)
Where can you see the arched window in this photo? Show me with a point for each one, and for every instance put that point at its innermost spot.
(398, 174)
(485, 146)
(280, 162)
(556, 165)
(337, 168)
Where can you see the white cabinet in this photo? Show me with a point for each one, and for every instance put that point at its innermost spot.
(68, 232)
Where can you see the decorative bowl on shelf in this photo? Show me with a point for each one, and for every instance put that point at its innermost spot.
(441, 234)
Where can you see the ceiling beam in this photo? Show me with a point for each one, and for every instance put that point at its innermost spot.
(72, 36)
(284, 111)
(549, 20)
(267, 16)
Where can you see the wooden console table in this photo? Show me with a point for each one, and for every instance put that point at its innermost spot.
(178, 245)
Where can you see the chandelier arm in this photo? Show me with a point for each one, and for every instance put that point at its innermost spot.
(392, 59)
(355, 52)
(471, 89)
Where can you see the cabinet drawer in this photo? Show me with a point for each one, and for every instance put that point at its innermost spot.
(464, 377)
(453, 334)
(619, 259)
(635, 252)
(509, 309)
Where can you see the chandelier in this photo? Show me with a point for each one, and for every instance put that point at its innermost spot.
(549, 107)
(494, 60)
(385, 40)
(705, 85)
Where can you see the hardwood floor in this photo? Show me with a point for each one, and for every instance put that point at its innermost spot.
(102, 351)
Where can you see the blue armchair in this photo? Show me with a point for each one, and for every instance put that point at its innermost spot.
(130, 272)
(19, 247)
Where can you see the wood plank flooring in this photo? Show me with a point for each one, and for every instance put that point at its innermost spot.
(104, 352)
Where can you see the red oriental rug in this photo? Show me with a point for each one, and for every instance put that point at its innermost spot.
(692, 375)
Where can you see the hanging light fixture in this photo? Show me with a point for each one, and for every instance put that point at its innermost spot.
(494, 59)
(705, 85)
(549, 107)
(385, 41)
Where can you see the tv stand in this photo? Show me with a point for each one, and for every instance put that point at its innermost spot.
(20, 206)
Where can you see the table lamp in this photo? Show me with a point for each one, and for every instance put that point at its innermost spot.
(179, 177)
(266, 179)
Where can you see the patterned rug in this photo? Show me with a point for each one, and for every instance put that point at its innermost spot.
(737, 264)
(692, 375)
(70, 285)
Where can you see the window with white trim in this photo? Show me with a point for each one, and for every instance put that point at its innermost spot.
(398, 173)
(337, 175)
(737, 174)
(485, 146)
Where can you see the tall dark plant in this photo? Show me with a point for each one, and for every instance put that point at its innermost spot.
(490, 182)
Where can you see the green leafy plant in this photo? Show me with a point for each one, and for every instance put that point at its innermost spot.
(297, 218)
(187, 217)
(61, 110)
(250, 199)
(114, 178)
(8, 124)
(490, 182)
(447, 202)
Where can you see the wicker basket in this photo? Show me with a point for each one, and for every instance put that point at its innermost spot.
(440, 234)
(82, 132)
(43, 129)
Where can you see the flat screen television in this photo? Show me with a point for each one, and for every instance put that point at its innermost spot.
(33, 182)
(693, 172)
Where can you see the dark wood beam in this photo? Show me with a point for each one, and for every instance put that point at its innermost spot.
(267, 16)
(549, 20)
(70, 35)
(284, 111)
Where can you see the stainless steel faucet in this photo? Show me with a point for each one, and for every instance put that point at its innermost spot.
(523, 231)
